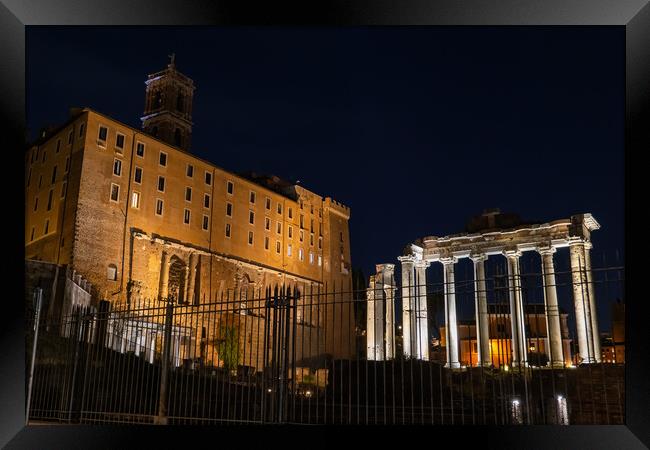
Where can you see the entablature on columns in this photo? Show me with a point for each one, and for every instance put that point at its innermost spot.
(556, 234)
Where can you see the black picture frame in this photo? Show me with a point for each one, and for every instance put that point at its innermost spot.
(15, 15)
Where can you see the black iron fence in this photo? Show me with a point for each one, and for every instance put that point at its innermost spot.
(298, 354)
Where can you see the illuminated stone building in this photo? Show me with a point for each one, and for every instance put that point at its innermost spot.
(141, 218)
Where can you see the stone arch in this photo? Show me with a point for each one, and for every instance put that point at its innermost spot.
(177, 278)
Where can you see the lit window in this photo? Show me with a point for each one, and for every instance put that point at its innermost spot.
(251, 217)
(320, 260)
(208, 178)
(159, 207)
(229, 209)
(111, 272)
(266, 243)
(117, 167)
(228, 230)
(49, 200)
(137, 176)
(103, 132)
(188, 194)
(162, 160)
(161, 183)
(267, 223)
(139, 150)
(301, 255)
(119, 141)
(230, 187)
(135, 200)
(252, 197)
(190, 171)
(288, 249)
(115, 192)
(268, 203)
(311, 258)
(206, 222)
(206, 200)
(250, 238)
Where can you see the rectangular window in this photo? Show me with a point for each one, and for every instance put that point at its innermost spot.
(139, 149)
(320, 242)
(119, 142)
(311, 239)
(161, 183)
(35, 203)
(311, 258)
(227, 230)
(70, 135)
(159, 207)
(288, 249)
(311, 225)
(32, 236)
(49, 200)
(135, 200)
(279, 228)
(250, 238)
(229, 209)
(268, 203)
(320, 260)
(301, 255)
(290, 231)
(190, 171)
(277, 247)
(162, 160)
(290, 213)
(267, 223)
(103, 132)
(206, 222)
(206, 201)
(47, 226)
(53, 175)
(251, 197)
(266, 242)
(117, 167)
(302, 221)
(279, 208)
(208, 178)
(137, 176)
(188, 194)
(82, 128)
(341, 235)
(302, 236)
(186, 216)
(251, 217)
(67, 164)
(58, 145)
(230, 187)
(64, 188)
(115, 192)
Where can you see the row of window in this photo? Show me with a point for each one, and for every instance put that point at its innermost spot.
(50, 196)
(35, 154)
(53, 177)
(46, 229)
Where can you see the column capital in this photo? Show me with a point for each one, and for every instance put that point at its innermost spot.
(478, 257)
(512, 253)
(422, 264)
(409, 259)
(447, 260)
(575, 241)
(546, 249)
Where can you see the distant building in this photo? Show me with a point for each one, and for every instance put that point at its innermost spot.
(615, 352)
(500, 337)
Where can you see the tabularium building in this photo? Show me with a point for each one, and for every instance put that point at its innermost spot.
(140, 217)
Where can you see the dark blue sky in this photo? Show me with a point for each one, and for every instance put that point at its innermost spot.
(416, 129)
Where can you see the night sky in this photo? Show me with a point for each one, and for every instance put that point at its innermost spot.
(415, 129)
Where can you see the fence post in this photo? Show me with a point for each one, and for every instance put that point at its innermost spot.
(38, 294)
(161, 418)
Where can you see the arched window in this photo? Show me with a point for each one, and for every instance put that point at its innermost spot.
(177, 137)
(111, 272)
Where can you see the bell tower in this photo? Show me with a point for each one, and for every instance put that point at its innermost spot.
(168, 106)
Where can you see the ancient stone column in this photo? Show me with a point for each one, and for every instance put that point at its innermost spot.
(451, 325)
(408, 294)
(374, 322)
(517, 313)
(194, 259)
(480, 306)
(164, 276)
(185, 294)
(581, 302)
(553, 330)
(592, 303)
(385, 276)
(421, 324)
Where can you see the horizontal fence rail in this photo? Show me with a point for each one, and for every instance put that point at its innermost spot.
(299, 354)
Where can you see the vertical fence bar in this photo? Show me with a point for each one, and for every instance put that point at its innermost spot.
(38, 295)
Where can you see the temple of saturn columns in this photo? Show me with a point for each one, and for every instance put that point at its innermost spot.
(487, 238)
